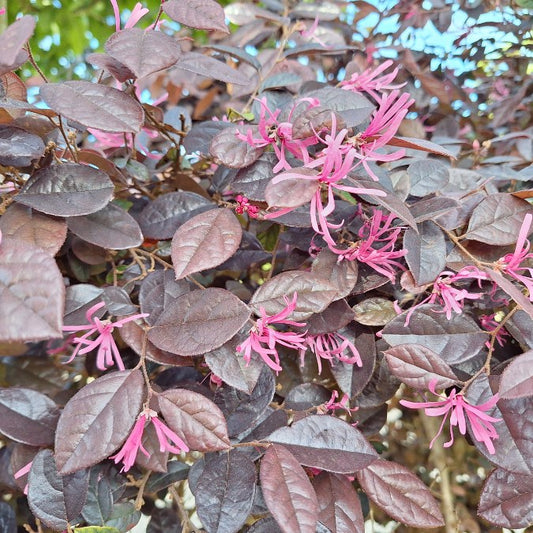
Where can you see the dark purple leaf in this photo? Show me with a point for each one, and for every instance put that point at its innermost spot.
(161, 218)
(54, 498)
(288, 493)
(520, 326)
(225, 492)
(99, 501)
(205, 241)
(239, 53)
(400, 494)
(328, 443)
(97, 420)
(314, 294)
(18, 147)
(226, 363)
(426, 252)
(196, 419)
(292, 192)
(336, 316)
(420, 144)
(380, 388)
(28, 416)
(339, 508)
(31, 293)
(305, 396)
(242, 410)
(94, 105)
(456, 340)
(312, 120)
(34, 228)
(163, 521)
(158, 290)
(265, 525)
(512, 290)
(230, 151)
(14, 38)
(427, 176)
(198, 14)
(253, 180)
(78, 299)
(497, 219)
(431, 208)
(67, 190)
(143, 52)
(111, 227)
(507, 499)
(114, 67)
(374, 311)
(341, 275)
(8, 518)
(417, 366)
(514, 447)
(517, 378)
(201, 134)
(177, 471)
(211, 68)
(199, 322)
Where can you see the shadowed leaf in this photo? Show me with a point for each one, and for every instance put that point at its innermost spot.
(14, 38)
(517, 378)
(18, 147)
(198, 14)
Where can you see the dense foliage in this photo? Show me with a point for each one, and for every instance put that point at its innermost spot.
(259, 278)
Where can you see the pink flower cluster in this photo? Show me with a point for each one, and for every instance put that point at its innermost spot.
(244, 206)
(108, 353)
(455, 407)
(168, 440)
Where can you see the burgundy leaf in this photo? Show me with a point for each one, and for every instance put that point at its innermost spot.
(512, 290)
(205, 241)
(514, 446)
(314, 294)
(417, 366)
(114, 67)
(196, 419)
(31, 293)
(420, 144)
(143, 52)
(199, 322)
(78, 299)
(292, 192)
(94, 106)
(433, 207)
(67, 190)
(342, 275)
(198, 14)
(456, 340)
(34, 228)
(230, 151)
(336, 316)
(28, 416)
(225, 492)
(400, 494)
(18, 147)
(507, 499)
(211, 68)
(161, 218)
(253, 180)
(288, 493)
(426, 252)
(111, 227)
(497, 219)
(374, 311)
(14, 38)
(517, 378)
(339, 508)
(8, 518)
(54, 498)
(328, 443)
(97, 420)
(427, 176)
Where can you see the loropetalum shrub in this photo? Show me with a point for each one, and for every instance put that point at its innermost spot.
(223, 291)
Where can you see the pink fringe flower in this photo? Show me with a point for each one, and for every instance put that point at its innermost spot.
(128, 452)
(107, 348)
(137, 14)
(510, 263)
(333, 405)
(330, 346)
(489, 324)
(457, 408)
(370, 82)
(262, 338)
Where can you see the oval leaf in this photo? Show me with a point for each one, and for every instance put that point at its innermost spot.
(195, 418)
(292, 191)
(327, 443)
(53, 498)
(28, 416)
(143, 52)
(288, 493)
(314, 294)
(112, 227)
(225, 492)
(212, 68)
(417, 365)
(374, 311)
(97, 420)
(400, 494)
(14, 38)
(517, 378)
(205, 241)
(198, 14)
(67, 190)
(32, 293)
(94, 106)
(199, 321)
(18, 147)
(230, 151)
